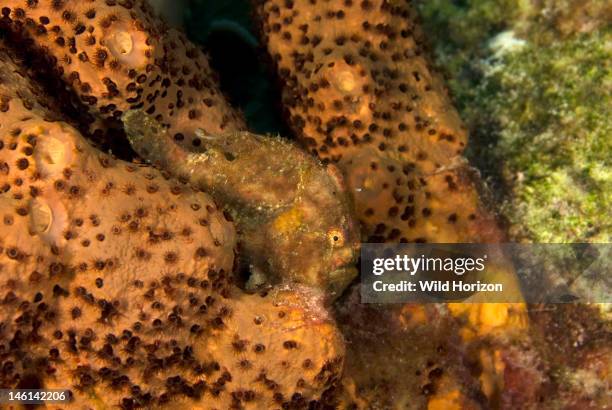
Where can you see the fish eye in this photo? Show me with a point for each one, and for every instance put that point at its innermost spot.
(335, 237)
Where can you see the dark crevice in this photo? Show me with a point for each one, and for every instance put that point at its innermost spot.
(234, 52)
(59, 97)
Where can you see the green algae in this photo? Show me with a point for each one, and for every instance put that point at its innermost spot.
(555, 110)
(537, 99)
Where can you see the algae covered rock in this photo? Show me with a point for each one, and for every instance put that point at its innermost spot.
(533, 83)
(555, 108)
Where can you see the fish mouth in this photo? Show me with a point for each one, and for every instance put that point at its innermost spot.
(339, 279)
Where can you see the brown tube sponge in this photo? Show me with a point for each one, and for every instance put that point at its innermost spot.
(360, 93)
(116, 283)
(117, 55)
